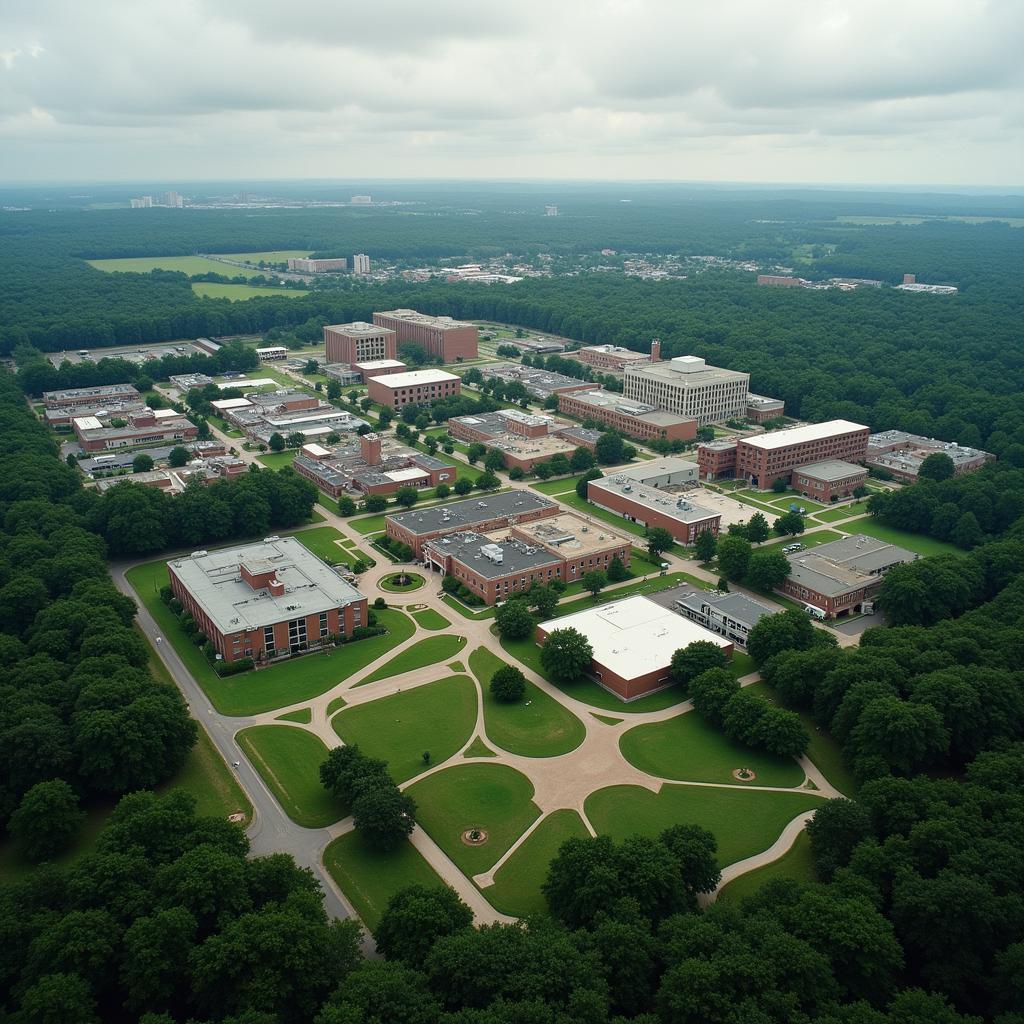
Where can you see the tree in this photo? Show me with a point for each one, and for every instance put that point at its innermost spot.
(758, 529)
(705, 545)
(788, 630)
(906, 736)
(581, 484)
(543, 600)
(508, 685)
(967, 533)
(836, 828)
(312, 366)
(333, 390)
(406, 496)
(47, 820)
(475, 452)
(142, 463)
(276, 442)
(594, 581)
(462, 486)
(698, 657)
(936, 467)
(790, 523)
(767, 570)
(487, 482)
(353, 397)
(566, 654)
(609, 449)
(694, 849)
(177, 456)
(384, 418)
(659, 540)
(582, 459)
(516, 473)
(733, 556)
(494, 461)
(346, 506)
(296, 439)
(514, 620)
(375, 503)
(617, 572)
(543, 471)
(705, 433)
(779, 484)
(383, 815)
(57, 998)
(442, 491)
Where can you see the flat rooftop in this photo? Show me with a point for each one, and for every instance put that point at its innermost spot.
(628, 407)
(831, 469)
(247, 382)
(415, 377)
(634, 636)
(570, 534)
(530, 447)
(494, 556)
(832, 569)
(412, 316)
(70, 394)
(674, 506)
(657, 467)
(359, 329)
(742, 609)
(686, 371)
(468, 513)
(801, 435)
(763, 401)
(380, 364)
(540, 383)
(618, 351)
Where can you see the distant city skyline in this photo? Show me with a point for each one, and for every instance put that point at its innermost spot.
(858, 93)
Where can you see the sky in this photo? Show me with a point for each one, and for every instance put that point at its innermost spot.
(859, 92)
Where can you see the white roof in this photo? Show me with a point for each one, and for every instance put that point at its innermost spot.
(246, 382)
(162, 414)
(414, 377)
(798, 435)
(87, 423)
(398, 475)
(231, 403)
(272, 348)
(378, 364)
(634, 636)
(316, 449)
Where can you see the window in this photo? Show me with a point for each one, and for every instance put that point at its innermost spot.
(323, 624)
(268, 639)
(296, 634)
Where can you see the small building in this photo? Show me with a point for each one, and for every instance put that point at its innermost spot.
(379, 367)
(716, 460)
(761, 408)
(662, 473)
(342, 373)
(61, 416)
(901, 454)
(416, 387)
(635, 419)
(187, 381)
(732, 616)
(633, 641)
(610, 357)
(272, 352)
(829, 480)
(648, 506)
(780, 281)
(267, 600)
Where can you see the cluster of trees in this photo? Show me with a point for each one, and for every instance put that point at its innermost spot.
(572, 368)
(739, 562)
(80, 716)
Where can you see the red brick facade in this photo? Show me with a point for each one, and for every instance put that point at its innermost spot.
(450, 342)
(811, 486)
(395, 531)
(763, 466)
(633, 426)
(414, 394)
(638, 512)
(358, 345)
(717, 460)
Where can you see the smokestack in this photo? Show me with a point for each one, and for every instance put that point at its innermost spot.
(369, 447)
(655, 351)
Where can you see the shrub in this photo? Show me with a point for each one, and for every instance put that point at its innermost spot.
(508, 685)
(233, 668)
(380, 603)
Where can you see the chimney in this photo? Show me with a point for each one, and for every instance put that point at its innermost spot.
(276, 587)
(655, 351)
(369, 447)
(910, 278)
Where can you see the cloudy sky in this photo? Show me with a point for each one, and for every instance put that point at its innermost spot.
(856, 91)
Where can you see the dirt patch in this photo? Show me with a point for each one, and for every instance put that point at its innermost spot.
(475, 836)
(744, 774)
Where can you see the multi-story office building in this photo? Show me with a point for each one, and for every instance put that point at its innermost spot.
(309, 266)
(267, 600)
(441, 336)
(359, 342)
(417, 387)
(688, 387)
(635, 419)
(761, 408)
(611, 357)
(767, 457)
(72, 397)
(361, 264)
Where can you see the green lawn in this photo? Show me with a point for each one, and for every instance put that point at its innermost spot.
(429, 619)
(288, 682)
(744, 821)
(831, 515)
(796, 864)
(809, 540)
(183, 264)
(369, 878)
(241, 292)
(741, 664)
(303, 716)
(369, 524)
(478, 749)
(516, 888)
(208, 778)
(272, 256)
(321, 541)
(428, 651)
(415, 582)
(559, 486)
(278, 460)
(466, 612)
(491, 797)
(911, 541)
(687, 748)
(536, 726)
(438, 718)
(288, 760)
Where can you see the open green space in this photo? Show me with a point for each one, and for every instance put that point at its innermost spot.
(415, 582)
(288, 760)
(208, 778)
(491, 797)
(280, 685)
(241, 292)
(478, 749)
(321, 540)
(303, 716)
(606, 719)
(438, 718)
(465, 611)
(369, 524)
(744, 821)
(809, 540)
(278, 460)
(369, 878)
(687, 748)
(183, 264)
(517, 882)
(911, 541)
(837, 512)
(536, 726)
(796, 864)
(335, 705)
(429, 619)
(428, 651)
(273, 256)
(741, 664)
(560, 486)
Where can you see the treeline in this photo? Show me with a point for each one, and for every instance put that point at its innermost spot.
(80, 716)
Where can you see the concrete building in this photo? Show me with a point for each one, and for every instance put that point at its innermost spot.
(361, 200)
(308, 266)
(71, 398)
(902, 454)
(634, 419)
(842, 577)
(272, 352)
(612, 358)
(732, 616)
(648, 506)
(496, 511)
(760, 408)
(829, 480)
(142, 429)
(539, 383)
(361, 264)
(187, 381)
(669, 472)
(359, 342)
(688, 387)
(500, 564)
(266, 600)
(175, 480)
(344, 374)
(633, 641)
(910, 284)
(415, 387)
(485, 426)
(440, 336)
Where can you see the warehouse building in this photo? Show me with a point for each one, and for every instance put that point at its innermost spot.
(441, 336)
(541, 384)
(649, 506)
(267, 600)
(689, 387)
(143, 428)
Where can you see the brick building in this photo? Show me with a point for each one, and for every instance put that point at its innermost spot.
(441, 336)
(649, 506)
(778, 281)
(496, 511)
(266, 600)
(829, 480)
(71, 398)
(761, 408)
(902, 454)
(717, 460)
(634, 419)
(499, 564)
(416, 387)
(379, 367)
(612, 358)
(689, 387)
(143, 428)
(359, 342)
(540, 384)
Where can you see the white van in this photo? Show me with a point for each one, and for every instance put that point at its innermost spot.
(815, 613)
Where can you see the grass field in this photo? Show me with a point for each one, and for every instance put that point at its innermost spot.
(369, 878)
(428, 651)
(429, 619)
(687, 748)
(288, 760)
(795, 864)
(536, 726)
(280, 685)
(911, 541)
(831, 515)
(491, 797)
(303, 716)
(438, 718)
(478, 749)
(273, 256)
(321, 541)
(208, 778)
(744, 821)
(278, 460)
(809, 540)
(183, 264)
(466, 612)
(516, 888)
(415, 582)
(560, 486)
(241, 292)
